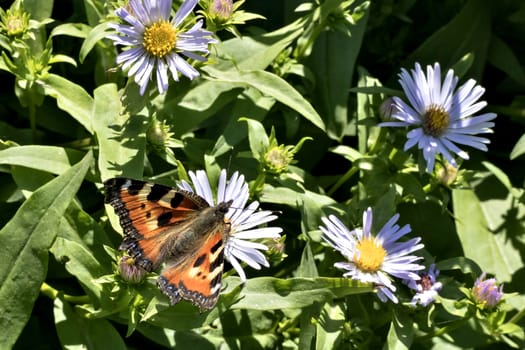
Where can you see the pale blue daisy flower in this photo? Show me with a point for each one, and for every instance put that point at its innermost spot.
(374, 258)
(243, 219)
(442, 116)
(156, 43)
(427, 288)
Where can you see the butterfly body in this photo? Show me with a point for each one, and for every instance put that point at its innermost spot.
(166, 225)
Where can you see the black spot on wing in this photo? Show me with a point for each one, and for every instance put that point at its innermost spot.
(164, 219)
(216, 246)
(176, 200)
(217, 263)
(135, 187)
(199, 260)
(157, 192)
(216, 281)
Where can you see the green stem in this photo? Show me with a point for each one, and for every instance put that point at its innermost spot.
(52, 293)
(259, 182)
(32, 119)
(447, 329)
(515, 319)
(342, 180)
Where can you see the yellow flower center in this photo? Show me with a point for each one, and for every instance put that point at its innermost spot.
(371, 255)
(435, 121)
(160, 39)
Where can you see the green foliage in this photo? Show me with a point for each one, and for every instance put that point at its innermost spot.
(290, 96)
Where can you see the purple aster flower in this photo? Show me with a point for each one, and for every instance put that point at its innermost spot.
(486, 292)
(426, 287)
(243, 219)
(441, 115)
(156, 43)
(374, 258)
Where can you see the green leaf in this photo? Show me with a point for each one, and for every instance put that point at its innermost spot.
(93, 37)
(330, 326)
(62, 59)
(257, 136)
(52, 159)
(259, 51)
(461, 263)
(307, 267)
(307, 326)
(162, 336)
(519, 148)
(121, 137)
(80, 263)
(26, 239)
(501, 56)
(77, 30)
(484, 230)
(71, 98)
(333, 63)
(503, 178)
(268, 293)
(251, 103)
(401, 333)
(310, 202)
(203, 100)
(76, 332)
(468, 32)
(182, 316)
(39, 9)
(274, 86)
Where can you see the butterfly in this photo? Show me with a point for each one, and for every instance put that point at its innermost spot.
(177, 228)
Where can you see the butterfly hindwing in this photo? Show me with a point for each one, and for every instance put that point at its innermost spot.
(198, 279)
(148, 215)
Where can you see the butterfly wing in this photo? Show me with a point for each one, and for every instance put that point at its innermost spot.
(197, 279)
(151, 216)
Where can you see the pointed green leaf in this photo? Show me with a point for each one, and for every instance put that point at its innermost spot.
(333, 64)
(81, 264)
(268, 293)
(272, 85)
(121, 137)
(51, 159)
(71, 98)
(468, 32)
(503, 58)
(519, 148)
(330, 326)
(257, 135)
(483, 231)
(26, 239)
(93, 37)
(76, 332)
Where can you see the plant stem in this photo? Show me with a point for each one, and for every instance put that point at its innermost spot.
(52, 293)
(32, 120)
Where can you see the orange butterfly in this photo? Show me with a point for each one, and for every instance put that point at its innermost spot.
(162, 224)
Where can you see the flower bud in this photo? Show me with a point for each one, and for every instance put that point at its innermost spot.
(129, 271)
(221, 9)
(486, 292)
